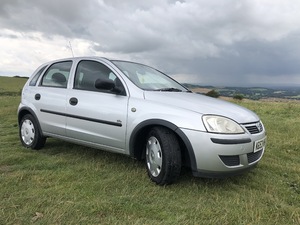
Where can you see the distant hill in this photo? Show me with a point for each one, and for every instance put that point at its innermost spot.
(254, 93)
(20, 77)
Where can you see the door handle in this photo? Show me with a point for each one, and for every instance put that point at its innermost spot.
(37, 97)
(73, 101)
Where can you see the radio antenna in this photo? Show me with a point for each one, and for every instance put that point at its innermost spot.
(70, 46)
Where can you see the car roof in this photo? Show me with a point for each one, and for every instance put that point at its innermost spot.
(80, 58)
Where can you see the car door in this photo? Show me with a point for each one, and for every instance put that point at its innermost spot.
(49, 98)
(95, 116)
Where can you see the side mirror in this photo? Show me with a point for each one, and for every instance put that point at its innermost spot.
(104, 84)
(109, 85)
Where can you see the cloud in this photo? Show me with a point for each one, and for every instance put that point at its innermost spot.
(202, 40)
(20, 60)
(66, 18)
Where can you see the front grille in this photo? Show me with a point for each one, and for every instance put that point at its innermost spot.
(254, 128)
(230, 160)
(252, 157)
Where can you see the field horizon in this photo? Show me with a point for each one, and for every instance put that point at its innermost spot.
(253, 92)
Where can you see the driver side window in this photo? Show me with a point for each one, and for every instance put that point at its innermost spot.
(88, 72)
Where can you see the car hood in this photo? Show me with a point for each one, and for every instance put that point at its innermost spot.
(203, 104)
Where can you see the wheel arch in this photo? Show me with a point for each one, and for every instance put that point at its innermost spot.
(138, 138)
(26, 110)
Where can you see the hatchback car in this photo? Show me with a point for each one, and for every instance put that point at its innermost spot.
(134, 109)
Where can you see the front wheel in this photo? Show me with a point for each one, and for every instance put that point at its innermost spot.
(163, 156)
(30, 135)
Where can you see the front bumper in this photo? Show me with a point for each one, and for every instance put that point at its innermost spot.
(219, 155)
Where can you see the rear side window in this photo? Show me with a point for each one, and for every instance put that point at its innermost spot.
(36, 76)
(57, 75)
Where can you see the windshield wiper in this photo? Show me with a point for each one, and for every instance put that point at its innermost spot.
(169, 89)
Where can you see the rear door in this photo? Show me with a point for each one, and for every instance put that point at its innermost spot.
(94, 116)
(49, 98)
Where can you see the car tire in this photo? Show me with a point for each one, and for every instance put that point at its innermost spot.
(30, 134)
(163, 156)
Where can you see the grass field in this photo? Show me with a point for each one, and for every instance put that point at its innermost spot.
(69, 184)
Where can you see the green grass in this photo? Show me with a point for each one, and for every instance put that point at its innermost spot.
(11, 86)
(69, 184)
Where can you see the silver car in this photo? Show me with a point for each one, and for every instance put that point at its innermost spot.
(133, 109)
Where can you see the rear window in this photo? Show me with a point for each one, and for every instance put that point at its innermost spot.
(36, 76)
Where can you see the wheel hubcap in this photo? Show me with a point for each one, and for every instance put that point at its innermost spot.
(153, 156)
(27, 132)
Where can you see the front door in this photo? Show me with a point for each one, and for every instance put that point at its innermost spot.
(94, 116)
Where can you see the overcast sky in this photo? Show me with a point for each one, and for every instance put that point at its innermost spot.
(215, 42)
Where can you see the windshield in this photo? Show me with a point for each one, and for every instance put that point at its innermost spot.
(148, 78)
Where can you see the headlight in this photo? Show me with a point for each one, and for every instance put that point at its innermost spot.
(221, 125)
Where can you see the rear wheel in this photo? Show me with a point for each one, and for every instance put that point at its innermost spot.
(163, 156)
(30, 135)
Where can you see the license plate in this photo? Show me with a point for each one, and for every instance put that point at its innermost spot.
(259, 145)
